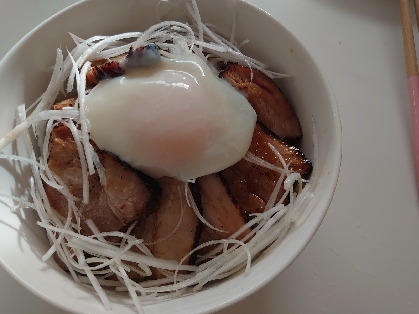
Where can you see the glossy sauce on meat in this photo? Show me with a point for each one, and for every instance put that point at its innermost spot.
(252, 184)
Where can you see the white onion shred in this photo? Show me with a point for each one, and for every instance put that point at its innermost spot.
(98, 261)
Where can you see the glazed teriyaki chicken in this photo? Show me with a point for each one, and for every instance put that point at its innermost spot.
(159, 209)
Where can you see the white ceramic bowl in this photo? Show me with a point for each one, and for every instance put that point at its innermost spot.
(23, 77)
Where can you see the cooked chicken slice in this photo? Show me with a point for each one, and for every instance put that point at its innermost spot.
(104, 69)
(270, 104)
(127, 195)
(144, 229)
(174, 229)
(251, 184)
(174, 210)
(239, 187)
(108, 68)
(69, 102)
(219, 210)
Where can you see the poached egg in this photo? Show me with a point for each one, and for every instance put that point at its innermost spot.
(175, 118)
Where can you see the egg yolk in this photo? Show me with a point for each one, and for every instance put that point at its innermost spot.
(175, 119)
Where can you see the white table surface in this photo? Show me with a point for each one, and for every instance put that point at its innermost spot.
(365, 256)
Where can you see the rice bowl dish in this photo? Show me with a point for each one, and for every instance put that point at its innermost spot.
(306, 115)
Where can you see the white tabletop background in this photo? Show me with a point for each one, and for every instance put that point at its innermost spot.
(365, 256)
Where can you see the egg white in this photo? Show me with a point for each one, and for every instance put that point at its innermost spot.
(173, 119)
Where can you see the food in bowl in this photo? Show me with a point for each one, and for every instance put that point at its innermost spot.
(211, 180)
